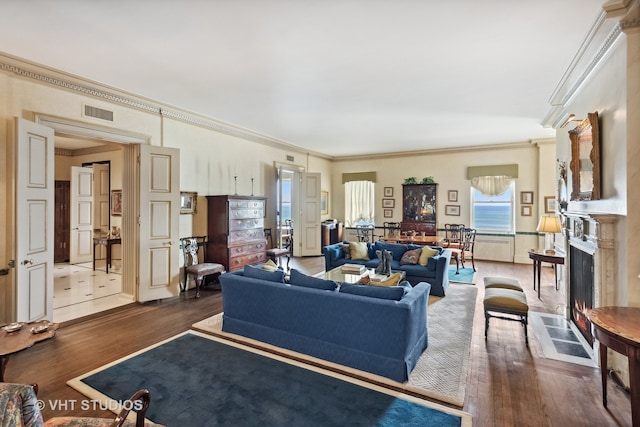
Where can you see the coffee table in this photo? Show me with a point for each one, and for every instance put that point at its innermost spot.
(14, 342)
(337, 275)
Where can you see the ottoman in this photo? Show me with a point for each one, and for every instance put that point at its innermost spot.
(507, 302)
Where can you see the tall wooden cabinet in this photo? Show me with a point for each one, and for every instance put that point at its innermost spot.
(419, 208)
(235, 230)
(62, 220)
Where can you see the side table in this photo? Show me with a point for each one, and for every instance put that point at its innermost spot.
(538, 258)
(14, 342)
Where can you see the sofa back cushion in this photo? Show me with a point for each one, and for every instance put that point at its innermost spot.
(383, 292)
(411, 256)
(259, 273)
(427, 252)
(359, 251)
(300, 279)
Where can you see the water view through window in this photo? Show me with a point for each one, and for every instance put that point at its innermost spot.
(493, 213)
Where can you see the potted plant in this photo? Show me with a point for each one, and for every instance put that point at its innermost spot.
(410, 180)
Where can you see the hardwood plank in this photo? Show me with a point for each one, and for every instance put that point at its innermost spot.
(509, 383)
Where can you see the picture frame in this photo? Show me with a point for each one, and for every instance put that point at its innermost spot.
(452, 195)
(452, 210)
(388, 213)
(188, 201)
(526, 197)
(116, 202)
(388, 191)
(549, 204)
(526, 210)
(388, 203)
(324, 203)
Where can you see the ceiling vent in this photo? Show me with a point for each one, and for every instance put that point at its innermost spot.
(289, 158)
(98, 113)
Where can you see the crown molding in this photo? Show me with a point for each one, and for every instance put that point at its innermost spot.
(70, 82)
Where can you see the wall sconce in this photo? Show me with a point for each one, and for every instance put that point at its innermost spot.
(571, 118)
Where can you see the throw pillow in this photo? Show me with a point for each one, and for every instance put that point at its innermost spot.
(269, 265)
(427, 253)
(411, 257)
(391, 281)
(258, 273)
(394, 293)
(300, 279)
(359, 251)
(346, 251)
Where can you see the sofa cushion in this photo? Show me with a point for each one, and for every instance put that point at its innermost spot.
(359, 251)
(346, 252)
(269, 265)
(411, 256)
(383, 292)
(427, 252)
(300, 279)
(258, 273)
(396, 249)
(392, 280)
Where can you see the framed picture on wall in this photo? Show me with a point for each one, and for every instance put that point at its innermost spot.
(388, 203)
(388, 191)
(388, 213)
(526, 197)
(116, 202)
(525, 210)
(452, 210)
(324, 202)
(188, 201)
(549, 204)
(452, 196)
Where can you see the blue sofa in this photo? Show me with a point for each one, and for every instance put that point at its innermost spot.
(436, 272)
(381, 336)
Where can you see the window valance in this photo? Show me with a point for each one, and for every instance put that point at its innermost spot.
(492, 170)
(492, 180)
(359, 176)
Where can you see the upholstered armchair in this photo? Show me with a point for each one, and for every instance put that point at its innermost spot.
(19, 406)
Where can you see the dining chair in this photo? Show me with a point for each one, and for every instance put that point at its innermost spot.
(194, 265)
(274, 252)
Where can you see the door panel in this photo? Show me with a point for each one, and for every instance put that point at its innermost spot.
(81, 215)
(35, 188)
(309, 229)
(159, 216)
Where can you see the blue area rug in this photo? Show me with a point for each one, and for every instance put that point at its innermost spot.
(465, 275)
(198, 380)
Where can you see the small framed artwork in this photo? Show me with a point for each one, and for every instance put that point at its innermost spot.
(525, 210)
(388, 213)
(388, 203)
(526, 197)
(116, 202)
(452, 210)
(549, 204)
(188, 201)
(452, 195)
(388, 191)
(324, 202)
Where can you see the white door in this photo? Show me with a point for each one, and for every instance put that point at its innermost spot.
(308, 231)
(159, 215)
(81, 243)
(34, 221)
(101, 214)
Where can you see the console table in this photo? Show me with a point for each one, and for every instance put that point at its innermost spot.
(618, 328)
(14, 342)
(538, 258)
(108, 242)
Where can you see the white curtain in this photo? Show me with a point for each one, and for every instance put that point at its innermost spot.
(359, 202)
(491, 185)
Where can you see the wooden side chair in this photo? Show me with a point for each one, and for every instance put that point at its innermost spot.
(274, 252)
(194, 265)
(468, 246)
(453, 236)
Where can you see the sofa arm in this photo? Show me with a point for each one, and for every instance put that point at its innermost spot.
(442, 268)
(332, 253)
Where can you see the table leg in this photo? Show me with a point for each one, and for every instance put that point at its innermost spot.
(534, 274)
(603, 372)
(108, 262)
(539, 282)
(3, 364)
(555, 273)
(94, 257)
(634, 380)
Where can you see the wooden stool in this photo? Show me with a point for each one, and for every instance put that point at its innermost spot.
(506, 301)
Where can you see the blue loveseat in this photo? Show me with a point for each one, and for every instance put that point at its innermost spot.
(382, 336)
(436, 272)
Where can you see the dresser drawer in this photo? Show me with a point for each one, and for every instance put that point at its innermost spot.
(250, 248)
(238, 262)
(246, 204)
(243, 235)
(245, 213)
(246, 224)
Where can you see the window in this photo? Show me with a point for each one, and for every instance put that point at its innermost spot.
(359, 206)
(493, 213)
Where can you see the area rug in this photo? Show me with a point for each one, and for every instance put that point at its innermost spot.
(197, 379)
(442, 370)
(561, 340)
(465, 275)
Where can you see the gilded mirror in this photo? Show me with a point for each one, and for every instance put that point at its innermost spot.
(585, 159)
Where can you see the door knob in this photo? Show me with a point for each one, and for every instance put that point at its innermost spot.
(27, 261)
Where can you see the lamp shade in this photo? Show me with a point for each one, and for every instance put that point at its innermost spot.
(549, 224)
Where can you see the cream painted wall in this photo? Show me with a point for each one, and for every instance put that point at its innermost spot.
(449, 170)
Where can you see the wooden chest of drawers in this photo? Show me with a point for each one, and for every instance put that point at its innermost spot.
(235, 228)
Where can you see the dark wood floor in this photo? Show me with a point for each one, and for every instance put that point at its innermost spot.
(509, 383)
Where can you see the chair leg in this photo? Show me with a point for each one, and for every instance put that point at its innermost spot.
(198, 284)
(473, 264)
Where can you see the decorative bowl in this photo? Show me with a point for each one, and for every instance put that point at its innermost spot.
(12, 327)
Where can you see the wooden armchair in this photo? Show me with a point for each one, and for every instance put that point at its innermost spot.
(453, 236)
(194, 265)
(274, 252)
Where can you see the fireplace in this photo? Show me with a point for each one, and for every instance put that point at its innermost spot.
(581, 291)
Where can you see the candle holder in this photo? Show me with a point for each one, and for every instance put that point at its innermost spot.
(252, 186)
(235, 184)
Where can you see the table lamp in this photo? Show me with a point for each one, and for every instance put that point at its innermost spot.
(549, 224)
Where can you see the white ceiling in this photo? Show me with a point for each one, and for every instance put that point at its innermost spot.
(340, 77)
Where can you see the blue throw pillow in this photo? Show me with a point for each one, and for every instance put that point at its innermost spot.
(383, 292)
(259, 273)
(300, 279)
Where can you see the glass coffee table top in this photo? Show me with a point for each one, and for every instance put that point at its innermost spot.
(337, 275)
